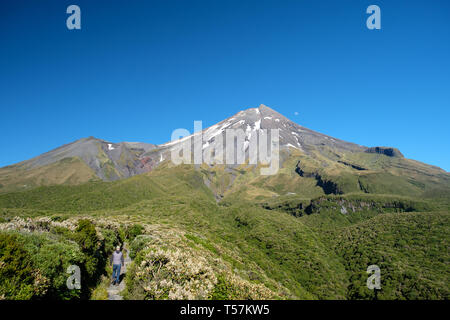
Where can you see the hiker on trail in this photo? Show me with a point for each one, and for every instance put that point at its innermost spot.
(117, 262)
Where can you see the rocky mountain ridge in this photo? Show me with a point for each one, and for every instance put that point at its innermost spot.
(108, 161)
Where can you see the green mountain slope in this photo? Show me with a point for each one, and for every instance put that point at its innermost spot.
(69, 171)
(296, 245)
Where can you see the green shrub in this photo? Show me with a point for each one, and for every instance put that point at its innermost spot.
(93, 249)
(34, 266)
(52, 258)
(58, 218)
(138, 244)
(86, 236)
(16, 269)
(131, 232)
(111, 240)
(223, 290)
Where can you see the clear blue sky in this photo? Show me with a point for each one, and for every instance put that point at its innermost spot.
(137, 70)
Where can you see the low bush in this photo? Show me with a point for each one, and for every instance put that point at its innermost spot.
(16, 269)
(132, 231)
(138, 244)
(34, 266)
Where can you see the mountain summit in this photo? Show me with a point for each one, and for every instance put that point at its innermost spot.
(252, 120)
(263, 117)
(95, 159)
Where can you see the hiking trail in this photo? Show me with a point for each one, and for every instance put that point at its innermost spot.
(114, 291)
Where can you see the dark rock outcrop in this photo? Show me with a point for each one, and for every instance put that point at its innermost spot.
(388, 151)
(354, 166)
(328, 186)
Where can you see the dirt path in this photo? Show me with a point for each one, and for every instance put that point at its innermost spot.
(114, 291)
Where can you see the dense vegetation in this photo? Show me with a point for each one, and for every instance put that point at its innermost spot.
(20, 276)
(411, 249)
(235, 236)
(35, 256)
